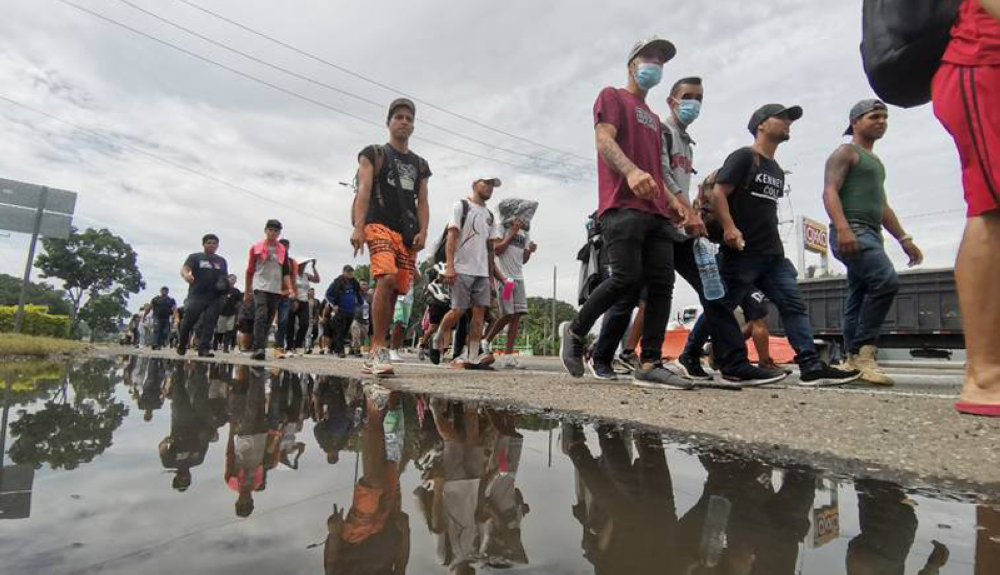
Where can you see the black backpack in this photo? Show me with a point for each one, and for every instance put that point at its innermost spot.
(902, 45)
(440, 252)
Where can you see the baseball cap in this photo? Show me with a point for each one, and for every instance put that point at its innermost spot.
(860, 109)
(495, 181)
(272, 224)
(769, 111)
(665, 47)
(348, 268)
(401, 103)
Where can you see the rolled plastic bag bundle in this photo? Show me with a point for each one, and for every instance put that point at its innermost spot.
(517, 209)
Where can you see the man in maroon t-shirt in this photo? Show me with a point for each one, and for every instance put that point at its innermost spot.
(636, 213)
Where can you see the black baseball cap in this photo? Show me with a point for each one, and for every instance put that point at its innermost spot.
(273, 225)
(771, 110)
(348, 268)
(860, 109)
(401, 103)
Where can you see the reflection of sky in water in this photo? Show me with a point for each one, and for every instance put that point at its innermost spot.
(119, 514)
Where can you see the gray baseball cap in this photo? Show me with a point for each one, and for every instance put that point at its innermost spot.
(495, 181)
(653, 43)
(860, 109)
(769, 111)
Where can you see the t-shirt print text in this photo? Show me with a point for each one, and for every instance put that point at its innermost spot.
(768, 187)
(645, 118)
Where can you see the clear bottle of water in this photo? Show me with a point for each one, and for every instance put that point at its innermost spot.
(708, 269)
(713, 535)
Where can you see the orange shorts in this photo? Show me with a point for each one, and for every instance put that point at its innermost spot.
(372, 507)
(390, 256)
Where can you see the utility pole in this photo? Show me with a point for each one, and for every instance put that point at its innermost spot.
(39, 214)
(554, 331)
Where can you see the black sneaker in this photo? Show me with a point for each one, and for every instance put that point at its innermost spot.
(823, 374)
(691, 367)
(748, 375)
(657, 376)
(435, 355)
(259, 355)
(181, 350)
(625, 363)
(571, 350)
(601, 370)
(205, 354)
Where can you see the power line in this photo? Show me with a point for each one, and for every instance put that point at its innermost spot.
(320, 83)
(376, 82)
(281, 89)
(172, 163)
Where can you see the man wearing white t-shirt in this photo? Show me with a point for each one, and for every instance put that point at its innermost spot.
(468, 267)
(513, 251)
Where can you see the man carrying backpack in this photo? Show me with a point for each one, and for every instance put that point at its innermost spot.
(966, 94)
(390, 215)
(469, 265)
(636, 211)
(855, 200)
(744, 199)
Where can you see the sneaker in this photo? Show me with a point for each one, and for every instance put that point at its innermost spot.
(823, 374)
(309, 351)
(866, 363)
(691, 367)
(510, 362)
(259, 355)
(290, 353)
(279, 353)
(625, 363)
(601, 370)
(205, 354)
(434, 354)
(378, 395)
(181, 350)
(382, 363)
(394, 356)
(748, 375)
(421, 354)
(323, 352)
(657, 376)
(341, 355)
(571, 350)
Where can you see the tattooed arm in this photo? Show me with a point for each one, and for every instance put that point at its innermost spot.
(837, 166)
(641, 183)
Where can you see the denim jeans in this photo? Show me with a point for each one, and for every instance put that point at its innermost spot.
(281, 329)
(872, 285)
(616, 320)
(207, 308)
(640, 252)
(161, 331)
(777, 278)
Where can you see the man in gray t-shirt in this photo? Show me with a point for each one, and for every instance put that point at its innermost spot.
(268, 278)
(513, 250)
(468, 267)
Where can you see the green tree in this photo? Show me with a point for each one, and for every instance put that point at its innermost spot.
(103, 313)
(90, 264)
(536, 327)
(363, 273)
(36, 294)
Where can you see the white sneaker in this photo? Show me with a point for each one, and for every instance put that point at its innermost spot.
(394, 356)
(290, 353)
(510, 362)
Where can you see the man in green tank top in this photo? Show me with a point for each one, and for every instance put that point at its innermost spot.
(854, 195)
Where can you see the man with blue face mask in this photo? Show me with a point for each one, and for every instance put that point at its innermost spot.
(636, 213)
(677, 160)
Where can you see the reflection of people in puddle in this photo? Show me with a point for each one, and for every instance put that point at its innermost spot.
(191, 425)
(888, 528)
(334, 415)
(286, 404)
(151, 395)
(247, 442)
(626, 507)
(503, 504)
(764, 526)
(375, 536)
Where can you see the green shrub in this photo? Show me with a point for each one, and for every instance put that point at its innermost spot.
(37, 321)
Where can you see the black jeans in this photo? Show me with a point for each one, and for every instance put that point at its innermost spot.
(161, 331)
(616, 320)
(266, 306)
(341, 330)
(297, 325)
(207, 309)
(640, 252)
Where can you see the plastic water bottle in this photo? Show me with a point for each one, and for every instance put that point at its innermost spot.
(713, 535)
(708, 269)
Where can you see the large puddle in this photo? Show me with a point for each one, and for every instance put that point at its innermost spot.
(158, 466)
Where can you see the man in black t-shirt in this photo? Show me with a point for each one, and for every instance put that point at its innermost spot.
(207, 275)
(745, 201)
(390, 215)
(163, 308)
(225, 328)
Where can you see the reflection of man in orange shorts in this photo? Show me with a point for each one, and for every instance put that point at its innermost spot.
(966, 93)
(390, 215)
(375, 537)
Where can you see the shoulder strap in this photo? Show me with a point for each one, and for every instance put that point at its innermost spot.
(668, 140)
(465, 211)
(753, 168)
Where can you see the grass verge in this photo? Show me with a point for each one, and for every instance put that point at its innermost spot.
(30, 345)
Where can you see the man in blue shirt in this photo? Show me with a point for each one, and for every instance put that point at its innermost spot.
(343, 295)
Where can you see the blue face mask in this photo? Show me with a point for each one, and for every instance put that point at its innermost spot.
(648, 75)
(688, 111)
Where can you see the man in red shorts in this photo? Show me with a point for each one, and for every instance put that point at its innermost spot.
(390, 216)
(966, 95)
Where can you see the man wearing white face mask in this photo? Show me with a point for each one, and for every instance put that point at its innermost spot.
(636, 214)
(677, 159)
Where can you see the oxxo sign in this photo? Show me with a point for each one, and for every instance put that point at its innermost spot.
(815, 236)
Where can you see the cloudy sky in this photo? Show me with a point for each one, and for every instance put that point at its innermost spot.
(164, 146)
